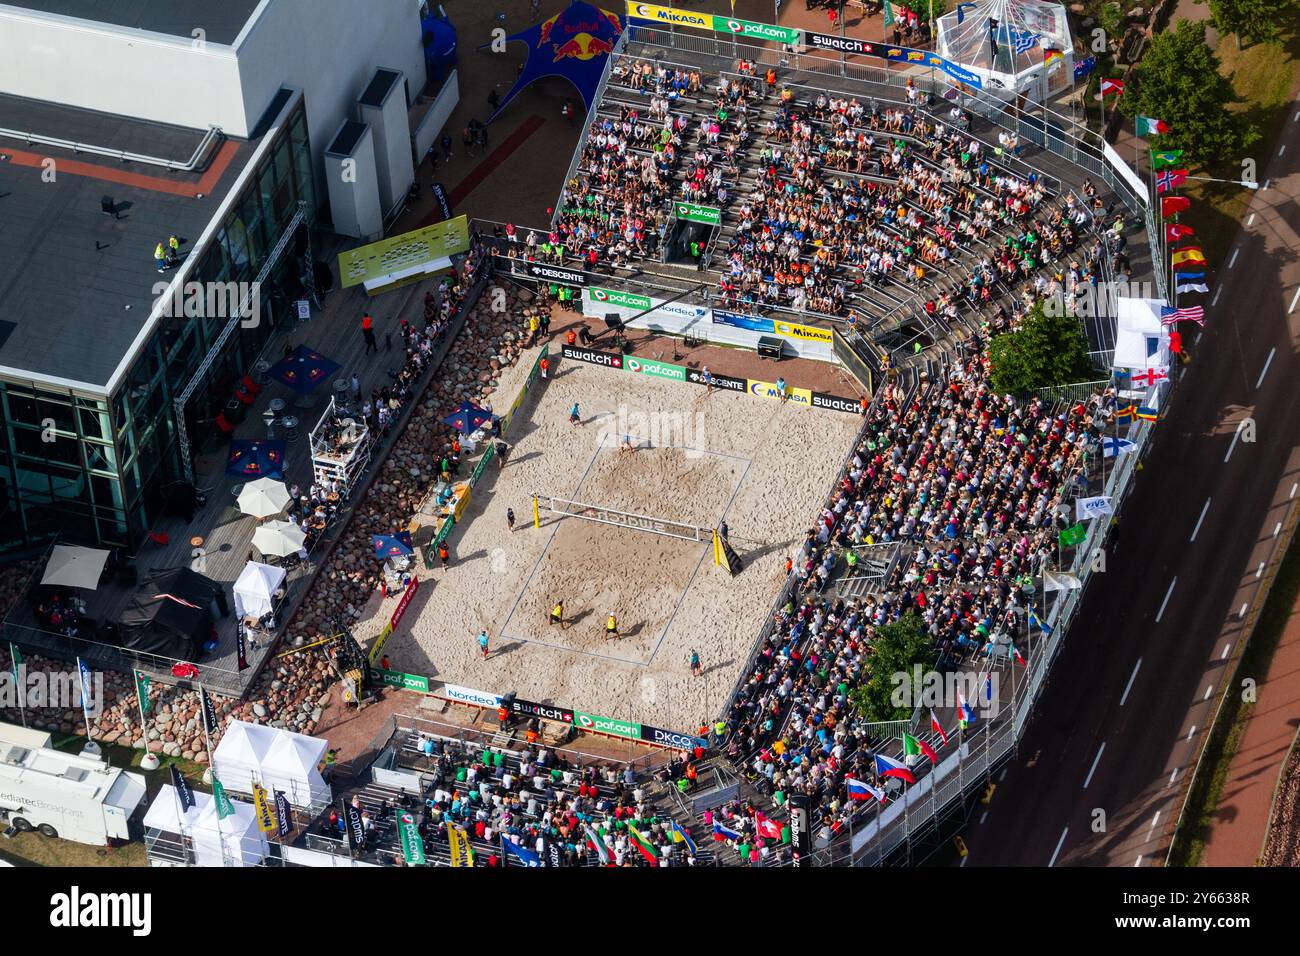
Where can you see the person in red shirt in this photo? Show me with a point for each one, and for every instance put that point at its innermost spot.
(368, 333)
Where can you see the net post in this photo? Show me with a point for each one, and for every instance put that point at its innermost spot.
(537, 520)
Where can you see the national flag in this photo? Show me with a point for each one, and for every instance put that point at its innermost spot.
(1173, 205)
(915, 746)
(1126, 413)
(521, 853)
(964, 710)
(1075, 534)
(596, 843)
(886, 767)
(938, 728)
(1085, 66)
(1160, 158)
(681, 836)
(1191, 276)
(988, 688)
(1192, 254)
(225, 808)
(1051, 56)
(1020, 659)
(1112, 86)
(765, 826)
(962, 8)
(1097, 506)
(1170, 179)
(142, 684)
(1024, 40)
(1176, 231)
(184, 792)
(1184, 286)
(1060, 581)
(645, 846)
(860, 791)
(1150, 126)
(1191, 313)
(721, 832)
(1113, 447)
(1148, 414)
(1036, 621)
(1150, 377)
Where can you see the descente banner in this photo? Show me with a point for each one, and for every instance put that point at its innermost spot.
(594, 356)
(547, 273)
(728, 382)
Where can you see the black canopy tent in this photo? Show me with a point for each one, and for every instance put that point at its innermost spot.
(171, 616)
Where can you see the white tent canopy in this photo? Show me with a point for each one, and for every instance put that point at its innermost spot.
(164, 812)
(233, 841)
(74, 567)
(1140, 340)
(1026, 30)
(277, 759)
(256, 587)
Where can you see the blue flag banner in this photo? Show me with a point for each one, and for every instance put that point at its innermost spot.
(524, 855)
(1085, 66)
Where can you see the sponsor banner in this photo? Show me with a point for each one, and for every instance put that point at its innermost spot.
(528, 708)
(670, 738)
(657, 369)
(606, 725)
(458, 839)
(861, 363)
(594, 356)
(728, 382)
(612, 297)
(262, 808)
(670, 16)
(462, 502)
(805, 333)
(488, 454)
(441, 198)
(693, 212)
(836, 403)
(538, 270)
(896, 54)
(400, 253)
(399, 680)
(404, 603)
(533, 374)
(753, 323)
(412, 844)
(799, 396)
(380, 641)
(758, 31)
(467, 695)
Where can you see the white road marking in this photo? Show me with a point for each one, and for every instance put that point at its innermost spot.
(1129, 685)
(1233, 443)
(1276, 528)
(1267, 362)
(1003, 774)
(1208, 691)
(1233, 261)
(1165, 602)
(1172, 776)
(1096, 760)
(1226, 647)
(1251, 220)
(1294, 299)
(1293, 490)
(964, 859)
(1191, 733)
(1242, 612)
(984, 816)
(1139, 861)
(1197, 529)
(1215, 300)
(1259, 571)
(1059, 843)
(1282, 150)
(1150, 829)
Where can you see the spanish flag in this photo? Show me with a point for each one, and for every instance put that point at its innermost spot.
(1191, 254)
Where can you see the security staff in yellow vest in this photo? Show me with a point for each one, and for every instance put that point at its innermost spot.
(557, 614)
(160, 257)
(611, 626)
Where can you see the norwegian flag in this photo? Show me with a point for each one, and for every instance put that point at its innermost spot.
(1193, 313)
(1170, 179)
(1112, 86)
(1151, 376)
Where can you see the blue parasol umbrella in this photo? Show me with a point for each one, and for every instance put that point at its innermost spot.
(392, 545)
(255, 458)
(303, 370)
(467, 418)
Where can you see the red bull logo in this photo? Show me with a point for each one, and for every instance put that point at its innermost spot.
(583, 46)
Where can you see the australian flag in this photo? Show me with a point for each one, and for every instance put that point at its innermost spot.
(1085, 66)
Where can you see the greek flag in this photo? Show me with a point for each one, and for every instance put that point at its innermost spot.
(1024, 40)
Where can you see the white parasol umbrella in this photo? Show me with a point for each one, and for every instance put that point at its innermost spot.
(279, 538)
(74, 567)
(263, 498)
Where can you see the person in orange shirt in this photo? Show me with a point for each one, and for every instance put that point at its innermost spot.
(368, 333)
(545, 366)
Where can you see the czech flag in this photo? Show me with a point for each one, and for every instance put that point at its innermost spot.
(892, 768)
(860, 791)
(938, 728)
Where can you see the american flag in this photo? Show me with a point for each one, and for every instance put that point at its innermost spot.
(1193, 313)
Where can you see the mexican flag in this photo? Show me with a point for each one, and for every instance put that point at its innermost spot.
(914, 747)
(641, 843)
(1150, 126)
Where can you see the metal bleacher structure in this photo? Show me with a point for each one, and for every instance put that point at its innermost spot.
(887, 320)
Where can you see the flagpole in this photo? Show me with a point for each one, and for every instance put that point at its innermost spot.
(85, 701)
(16, 663)
(140, 695)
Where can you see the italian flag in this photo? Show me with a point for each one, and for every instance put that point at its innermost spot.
(642, 844)
(913, 747)
(1150, 126)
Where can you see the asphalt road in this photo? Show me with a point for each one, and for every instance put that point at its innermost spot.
(1098, 777)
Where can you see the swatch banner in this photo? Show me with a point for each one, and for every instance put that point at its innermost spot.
(896, 54)
(594, 356)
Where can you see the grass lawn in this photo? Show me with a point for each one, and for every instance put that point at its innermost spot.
(1262, 76)
(32, 849)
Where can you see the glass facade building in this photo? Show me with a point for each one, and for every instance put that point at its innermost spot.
(94, 470)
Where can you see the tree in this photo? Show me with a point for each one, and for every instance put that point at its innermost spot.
(896, 649)
(1046, 350)
(1251, 20)
(1178, 81)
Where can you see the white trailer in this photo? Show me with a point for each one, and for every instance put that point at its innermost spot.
(73, 796)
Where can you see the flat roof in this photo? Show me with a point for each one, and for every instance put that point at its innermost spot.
(77, 284)
(221, 21)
